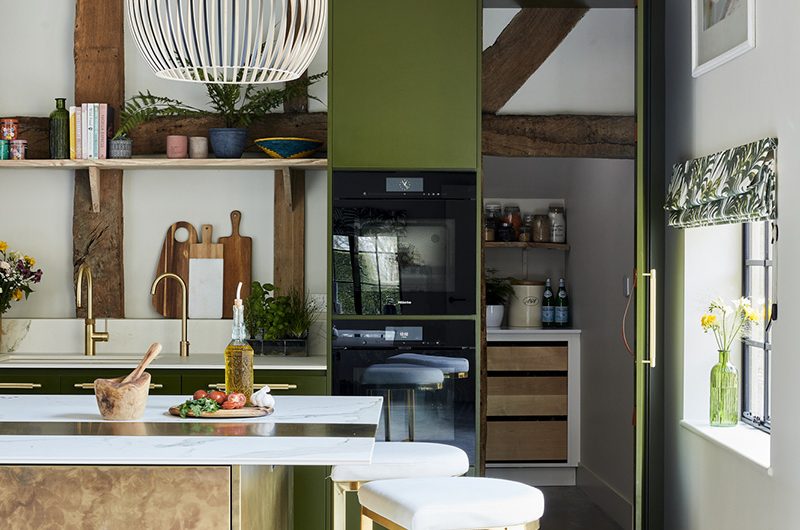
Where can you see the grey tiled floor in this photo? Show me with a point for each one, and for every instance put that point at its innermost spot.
(568, 508)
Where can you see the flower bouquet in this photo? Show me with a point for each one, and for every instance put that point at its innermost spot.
(728, 323)
(17, 275)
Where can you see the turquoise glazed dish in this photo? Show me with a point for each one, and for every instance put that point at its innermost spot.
(288, 147)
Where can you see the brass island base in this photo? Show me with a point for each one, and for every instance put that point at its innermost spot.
(164, 497)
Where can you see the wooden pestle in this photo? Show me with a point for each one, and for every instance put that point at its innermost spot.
(152, 353)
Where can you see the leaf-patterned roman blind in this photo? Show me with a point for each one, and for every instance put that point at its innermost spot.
(733, 186)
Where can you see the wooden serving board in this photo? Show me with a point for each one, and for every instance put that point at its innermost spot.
(238, 265)
(246, 412)
(175, 259)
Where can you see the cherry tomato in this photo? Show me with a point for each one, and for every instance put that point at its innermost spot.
(239, 399)
(231, 405)
(200, 394)
(217, 396)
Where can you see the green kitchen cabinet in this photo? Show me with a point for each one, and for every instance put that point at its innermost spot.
(82, 381)
(404, 84)
(29, 382)
(282, 382)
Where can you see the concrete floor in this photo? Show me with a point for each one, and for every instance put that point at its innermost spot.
(568, 508)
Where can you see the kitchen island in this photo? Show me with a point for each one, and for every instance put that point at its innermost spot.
(59, 461)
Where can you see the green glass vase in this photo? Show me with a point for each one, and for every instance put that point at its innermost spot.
(724, 392)
(59, 130)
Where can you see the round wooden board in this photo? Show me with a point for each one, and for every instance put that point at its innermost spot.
(246, 412)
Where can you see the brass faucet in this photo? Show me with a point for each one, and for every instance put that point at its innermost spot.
(90, 335)
(184, 340)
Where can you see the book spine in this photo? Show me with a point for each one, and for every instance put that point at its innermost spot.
(72, 119)
(90, 131)
(84, 131)
(102, 131)
(96, 132)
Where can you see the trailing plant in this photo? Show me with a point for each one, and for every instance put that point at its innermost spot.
(498, 290)
(237, 104)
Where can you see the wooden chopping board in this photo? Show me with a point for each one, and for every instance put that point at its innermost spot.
(245, 412)
(175, 259)
(238, 265)
(205, 276)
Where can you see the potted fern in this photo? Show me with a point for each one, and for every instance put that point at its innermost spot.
(237, 105)
(498, 291)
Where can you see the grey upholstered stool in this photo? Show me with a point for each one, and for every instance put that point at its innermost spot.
(455, 367)
(392, 460)
(407, 377)
(455, 503)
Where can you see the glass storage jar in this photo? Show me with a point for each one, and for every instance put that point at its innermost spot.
(540, 229)
(513, 217)
(558, 224)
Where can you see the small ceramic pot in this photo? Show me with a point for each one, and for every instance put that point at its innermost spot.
(8, 129)
(177, 146)
(494, 315)
(227, 142)
(120, 148)
(198, 147)
(18, 149)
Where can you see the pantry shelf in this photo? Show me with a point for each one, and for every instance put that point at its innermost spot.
(526, 245)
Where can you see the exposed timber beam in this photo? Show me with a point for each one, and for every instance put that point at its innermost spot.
(559, 136)
(525, 43)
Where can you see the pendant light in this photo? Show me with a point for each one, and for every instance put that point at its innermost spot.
(228, 41)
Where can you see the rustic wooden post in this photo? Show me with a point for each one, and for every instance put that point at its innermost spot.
(100, 78)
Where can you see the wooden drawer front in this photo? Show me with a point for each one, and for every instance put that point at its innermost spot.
(527, 396)
(527, 358)
(524, 441)
(23, 382)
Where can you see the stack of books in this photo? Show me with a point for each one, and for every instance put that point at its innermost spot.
(89, 131)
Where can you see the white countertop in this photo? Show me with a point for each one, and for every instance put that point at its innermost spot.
(195, 361)
(529, 334)
(304, 430)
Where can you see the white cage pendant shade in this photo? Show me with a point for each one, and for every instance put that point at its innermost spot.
(228, 41)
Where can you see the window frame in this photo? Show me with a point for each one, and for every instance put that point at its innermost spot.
(768, 264)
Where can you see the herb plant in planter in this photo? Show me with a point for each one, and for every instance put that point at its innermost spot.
(278, 325)
(498, 291)
(237, 105)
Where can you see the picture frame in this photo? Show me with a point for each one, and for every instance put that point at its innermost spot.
(721, 31)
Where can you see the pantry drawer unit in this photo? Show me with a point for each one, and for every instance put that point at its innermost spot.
(526, 396)
(526, 441)
(28, 382)
(529, 358)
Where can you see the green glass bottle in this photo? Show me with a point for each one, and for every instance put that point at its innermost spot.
(59, 130)
(562, 306)
(548, 306)
(724, 392)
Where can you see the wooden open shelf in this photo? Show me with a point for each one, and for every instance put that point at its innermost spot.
(95, 167)
(519, 244)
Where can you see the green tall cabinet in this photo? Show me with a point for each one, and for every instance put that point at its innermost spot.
(404, 84)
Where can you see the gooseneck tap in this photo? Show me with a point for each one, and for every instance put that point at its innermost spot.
(184, 351)
(90, 335)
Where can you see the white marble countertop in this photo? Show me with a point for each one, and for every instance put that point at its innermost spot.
(304, 430)
(167, 361)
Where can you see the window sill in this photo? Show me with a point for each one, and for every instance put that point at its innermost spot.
(744, 440)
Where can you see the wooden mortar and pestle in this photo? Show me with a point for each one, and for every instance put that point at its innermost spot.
(125, 398)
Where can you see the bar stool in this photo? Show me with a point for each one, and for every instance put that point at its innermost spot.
(451, 367)
(392, 460)
(451, 503)
(407, 377)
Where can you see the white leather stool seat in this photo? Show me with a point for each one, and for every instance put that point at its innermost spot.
(454, 503)
(406, 460)
(448, 365)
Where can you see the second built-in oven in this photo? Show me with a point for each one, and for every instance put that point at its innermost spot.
(404, 243)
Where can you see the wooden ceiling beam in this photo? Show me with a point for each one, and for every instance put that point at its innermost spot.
(562, 136)
(525, 43)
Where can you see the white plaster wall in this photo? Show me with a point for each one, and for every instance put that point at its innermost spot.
(591, 72)
(36, 205)
(754, 96)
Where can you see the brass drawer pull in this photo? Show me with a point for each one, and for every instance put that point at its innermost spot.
(19, 386)
(257, 386)
(90, 386)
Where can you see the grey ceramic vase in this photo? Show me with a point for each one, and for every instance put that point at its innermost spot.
(227, 142)
(120, 148)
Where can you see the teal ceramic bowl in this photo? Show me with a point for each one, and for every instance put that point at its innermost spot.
(288, 147)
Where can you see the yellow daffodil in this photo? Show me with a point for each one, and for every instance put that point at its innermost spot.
(30, 261)
(708, 321)
(18, 295)
(3, 246)
(750, 314)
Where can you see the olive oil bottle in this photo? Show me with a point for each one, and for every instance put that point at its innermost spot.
(239, 354)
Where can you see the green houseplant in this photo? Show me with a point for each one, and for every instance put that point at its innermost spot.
(498, 291)
(278, 324)
(237, 105)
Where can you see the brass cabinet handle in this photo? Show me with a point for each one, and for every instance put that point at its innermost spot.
(257, 386)
(90, 386)
(652, 321)
(19, 386)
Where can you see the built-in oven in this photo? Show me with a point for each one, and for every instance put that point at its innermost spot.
(404, 243)
(425, 371)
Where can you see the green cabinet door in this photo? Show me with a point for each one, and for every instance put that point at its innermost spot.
(404, 84)
(28, 381)
(82, 381)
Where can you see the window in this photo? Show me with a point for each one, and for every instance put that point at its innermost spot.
(759, 275)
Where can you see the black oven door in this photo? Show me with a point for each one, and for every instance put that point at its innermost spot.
(407, 252)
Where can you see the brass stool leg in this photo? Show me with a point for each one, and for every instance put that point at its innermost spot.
(366, 522)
